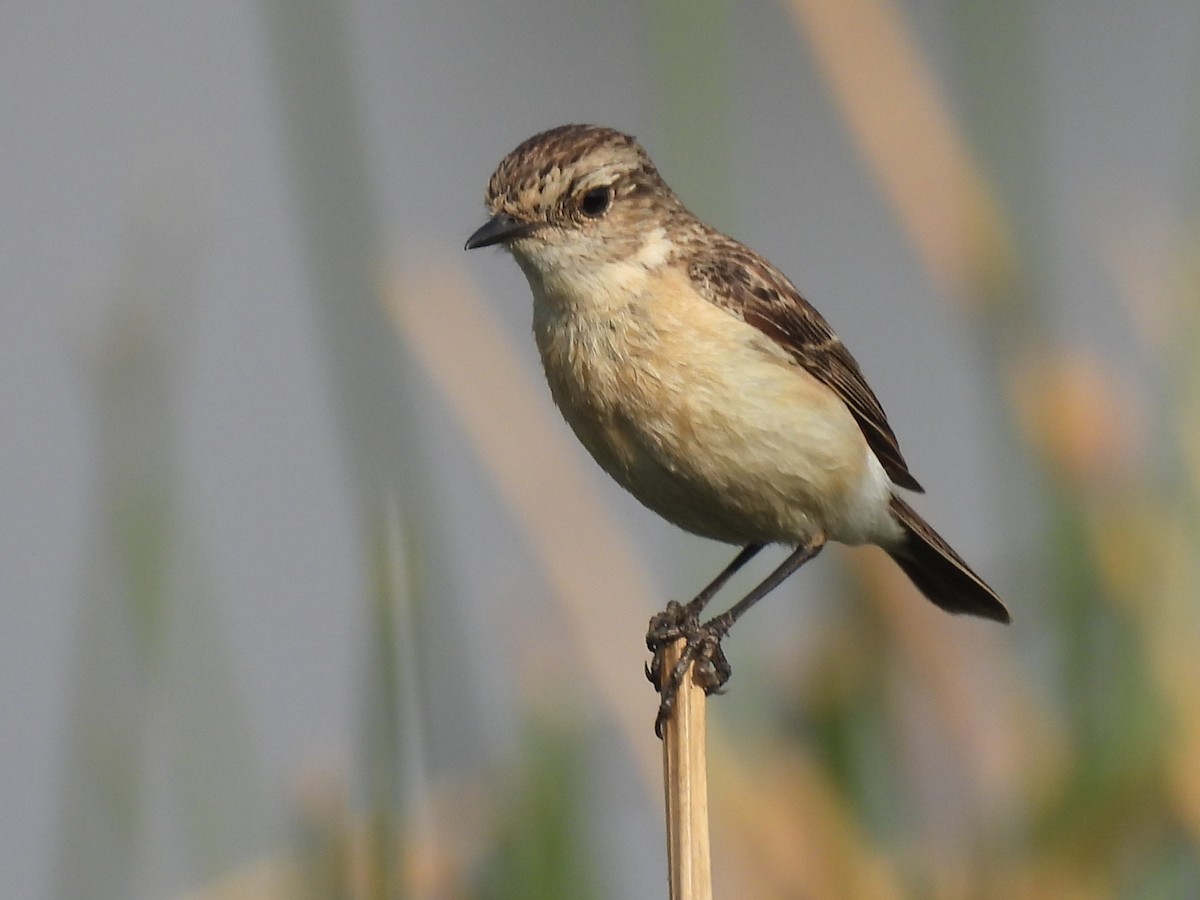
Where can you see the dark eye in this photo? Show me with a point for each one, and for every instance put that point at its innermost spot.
(596, 201)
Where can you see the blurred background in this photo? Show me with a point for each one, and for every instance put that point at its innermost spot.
(307, 591)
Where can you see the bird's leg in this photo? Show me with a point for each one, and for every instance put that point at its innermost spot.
(681, 619)
(671, 623)
(704, 640)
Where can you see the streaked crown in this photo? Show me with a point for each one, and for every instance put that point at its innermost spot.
(573, 173)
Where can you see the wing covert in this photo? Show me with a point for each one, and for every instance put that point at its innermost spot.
(747, 286)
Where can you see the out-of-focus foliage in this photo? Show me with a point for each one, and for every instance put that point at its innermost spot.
(907, 757)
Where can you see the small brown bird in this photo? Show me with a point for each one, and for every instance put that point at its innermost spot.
(698, 377)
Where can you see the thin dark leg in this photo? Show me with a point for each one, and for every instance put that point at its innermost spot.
(678, 619)
(696, 606)
(669, 625)
(704, 641)
(799, 557)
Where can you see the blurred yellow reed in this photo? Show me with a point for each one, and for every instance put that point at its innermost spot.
(1147, 540)
(901, 125)
(790, 832)
(984, 711)
(1080, 415)
(602, 587)
(1090, 436)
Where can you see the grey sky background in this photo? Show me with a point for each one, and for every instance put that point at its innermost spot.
(129, 125)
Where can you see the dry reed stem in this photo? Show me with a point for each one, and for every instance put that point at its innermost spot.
(685, 781)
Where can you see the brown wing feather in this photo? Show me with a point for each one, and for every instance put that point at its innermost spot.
(746, 285)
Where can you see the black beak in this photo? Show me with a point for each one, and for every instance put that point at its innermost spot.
(499, 229)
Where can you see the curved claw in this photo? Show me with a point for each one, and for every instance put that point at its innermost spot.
(651, 669)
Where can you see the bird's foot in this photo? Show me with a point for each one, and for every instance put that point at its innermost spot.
(702, 654)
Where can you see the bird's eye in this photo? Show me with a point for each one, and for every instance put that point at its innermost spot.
(596, 201)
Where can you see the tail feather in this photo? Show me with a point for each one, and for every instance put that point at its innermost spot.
(940, 573)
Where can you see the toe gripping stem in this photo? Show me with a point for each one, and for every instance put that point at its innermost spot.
(703, 640)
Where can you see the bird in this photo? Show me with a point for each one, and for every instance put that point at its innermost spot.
(698, 377)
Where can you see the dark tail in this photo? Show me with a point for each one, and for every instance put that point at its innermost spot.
(939, 572)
